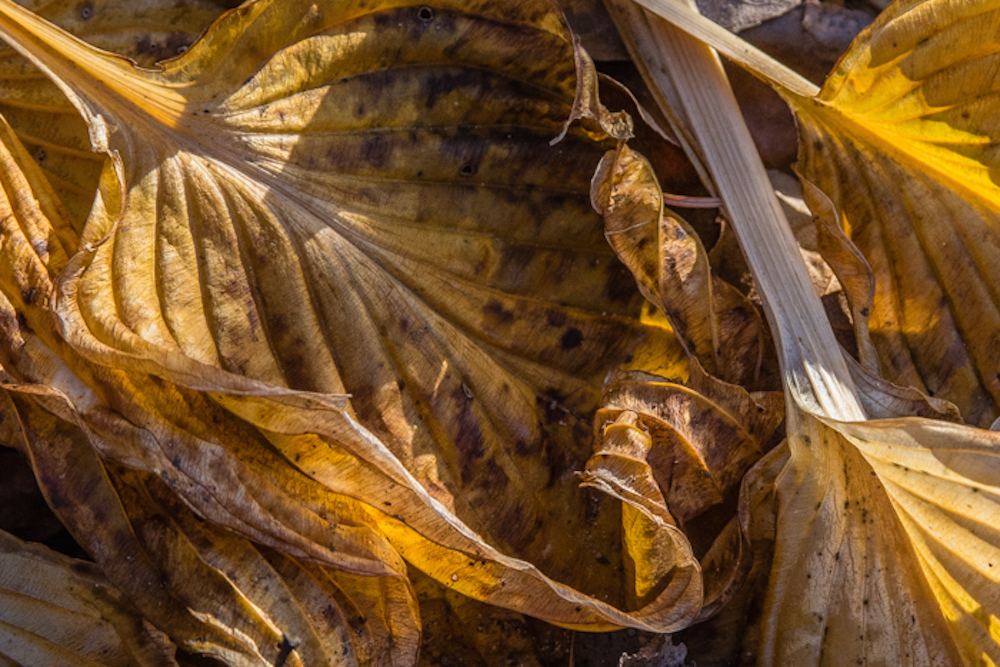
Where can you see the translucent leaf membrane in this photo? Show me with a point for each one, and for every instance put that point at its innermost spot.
(316, 201)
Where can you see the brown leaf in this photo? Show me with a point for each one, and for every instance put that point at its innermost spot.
(45, 120)
(277, 233)
(717, 323)
(62, 611)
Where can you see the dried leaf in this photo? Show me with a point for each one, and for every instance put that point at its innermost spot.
(669, 452)
(211, 592)
(42, 116)
(60, 611)
(283, 223)
(721, 328)
(899, 139)
(871, 564)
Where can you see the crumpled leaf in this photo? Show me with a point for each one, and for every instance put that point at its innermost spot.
(212, 592)
(900, 139)
(53, 132)
(708, 432)
(883, 548)
(256, 257)
(56, 610)
(654, 545)
(720, 327)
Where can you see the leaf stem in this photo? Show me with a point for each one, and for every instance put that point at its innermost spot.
(812, 362)
(739, 50)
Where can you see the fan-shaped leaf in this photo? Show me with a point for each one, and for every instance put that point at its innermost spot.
(882, 554)
(900, 139)
(359, 198)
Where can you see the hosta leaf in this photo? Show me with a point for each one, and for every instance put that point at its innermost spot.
(42, 116)
(901, 140)
(212, 592)
(56, 610)
(884, 545)
(671, 451)
(358, 198)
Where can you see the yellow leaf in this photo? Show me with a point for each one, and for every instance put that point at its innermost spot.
(884, 546)
(62, 611)
(901, 140)
(212, 592)
(296, 210)
(42, 116)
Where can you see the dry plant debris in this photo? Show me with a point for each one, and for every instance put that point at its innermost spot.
(357, 332)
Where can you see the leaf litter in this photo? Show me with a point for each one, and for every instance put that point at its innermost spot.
(286, 313)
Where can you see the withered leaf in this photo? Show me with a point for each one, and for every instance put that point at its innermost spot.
(60, 611)
(720, 327)
(361, 199)
(42, 116)
(901, 140)
(212, 592)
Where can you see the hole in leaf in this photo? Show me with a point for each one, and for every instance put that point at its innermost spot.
(425, 14)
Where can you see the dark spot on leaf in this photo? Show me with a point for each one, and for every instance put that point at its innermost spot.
(285, 649)
(86, 11)
(496, 477)
(572, 339)
(500, 315)
(39, 155)
(864, 312)
(29, 295)
(620, 286)
(818, 145)
(376, 151)
(525, 448)
(467, 170)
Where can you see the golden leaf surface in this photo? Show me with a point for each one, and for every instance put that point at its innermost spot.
(212, 592)
(884, 543)
(42, 116)
(314, 201)
(62, 611)
(902, 140)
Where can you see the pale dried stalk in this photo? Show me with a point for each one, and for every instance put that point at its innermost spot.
(812, 361)
(687, 18)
